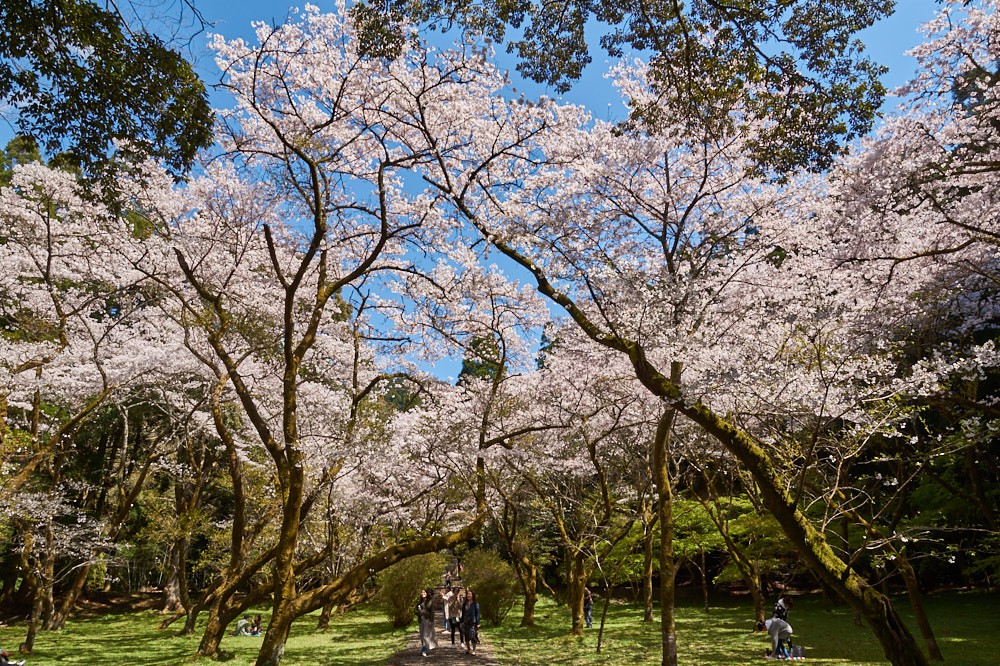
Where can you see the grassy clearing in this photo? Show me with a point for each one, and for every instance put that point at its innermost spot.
(362, 637)
(967, 627)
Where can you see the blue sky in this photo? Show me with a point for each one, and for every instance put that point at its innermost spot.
(887, 41)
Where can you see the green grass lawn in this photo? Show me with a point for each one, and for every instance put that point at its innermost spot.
(362, 637)
(967, 627)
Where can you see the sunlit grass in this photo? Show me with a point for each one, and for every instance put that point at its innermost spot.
(967, 626)
(361, 637)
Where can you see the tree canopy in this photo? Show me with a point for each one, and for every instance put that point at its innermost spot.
(84, 83)
(797, 63)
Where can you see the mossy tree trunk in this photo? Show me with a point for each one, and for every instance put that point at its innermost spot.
(665, 516)
(898, 644)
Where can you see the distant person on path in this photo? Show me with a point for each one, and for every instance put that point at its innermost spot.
(425, 615)
(778, 628)
(588, 607)
(470, 622)
(455, 613)
(447, 596)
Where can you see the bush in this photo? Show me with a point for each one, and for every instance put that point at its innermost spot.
(494, 582)
(400, 585)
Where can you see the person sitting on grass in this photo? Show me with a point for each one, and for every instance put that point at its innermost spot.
(5, 659)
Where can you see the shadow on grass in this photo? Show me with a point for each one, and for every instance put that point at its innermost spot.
(966, 627)
(966, 624)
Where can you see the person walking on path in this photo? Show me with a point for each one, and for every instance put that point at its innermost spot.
(470, 622)
(425, 615)
(448, 595)
(455, 614)
(588, 607)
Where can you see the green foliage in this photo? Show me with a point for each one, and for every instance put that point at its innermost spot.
(82, 80)
(797, 63)
(400, 585)
(694, 531)
(759, 537)
(483, 360)
(379, 35)
(494, 582)
(19, 150)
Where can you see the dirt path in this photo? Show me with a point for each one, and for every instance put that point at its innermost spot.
(446, 653)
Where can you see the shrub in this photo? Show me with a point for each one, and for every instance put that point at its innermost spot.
(400, 585)
(494, 582)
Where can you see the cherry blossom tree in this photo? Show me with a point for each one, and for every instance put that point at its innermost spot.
(81, 334)
(668, 250)
(286, 265)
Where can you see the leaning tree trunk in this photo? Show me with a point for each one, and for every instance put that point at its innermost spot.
(898, 644)
(58, 619)
(917, 603)
(215, 629)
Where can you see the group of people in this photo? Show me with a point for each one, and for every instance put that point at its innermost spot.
(248, 627)
(780, 631)
(461, 614)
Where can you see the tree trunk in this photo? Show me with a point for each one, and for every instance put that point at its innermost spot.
(282, 615)
(898, 644)
(60, 615)
(37, 606)
(647, 569)
(576, 583)
(703, 569)
(273, 648)
(661, 479)
(48, 578)
(917, 603)
(324, 617)
(190, 622)
(218, 619)
(172, 598)
(759, 600)
(528, 573)
(29, 565)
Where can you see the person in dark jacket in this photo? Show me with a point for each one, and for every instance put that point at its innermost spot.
(455, 611)
(470, 622)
